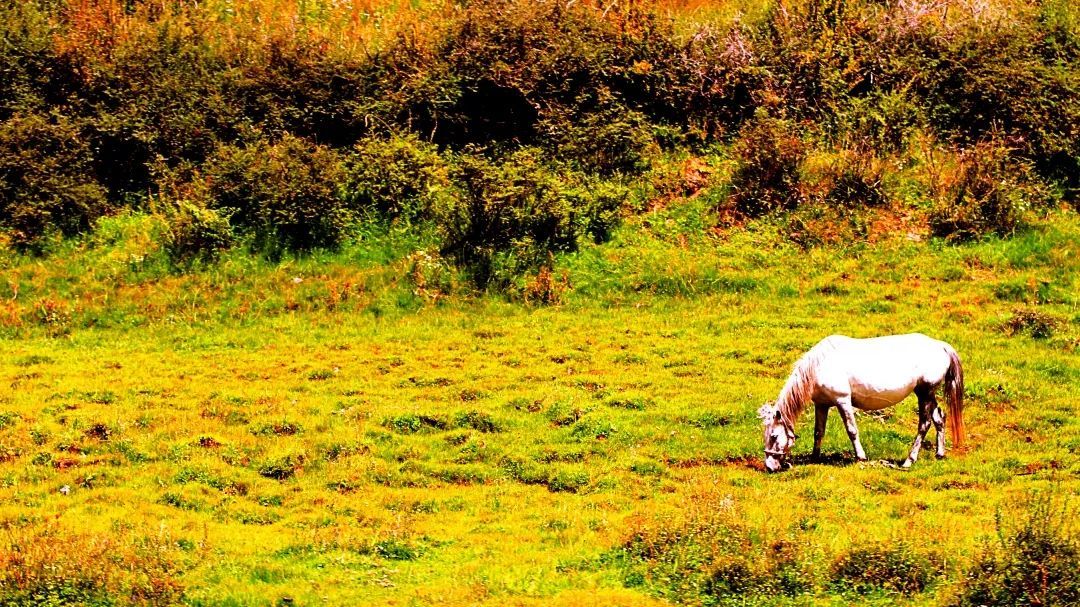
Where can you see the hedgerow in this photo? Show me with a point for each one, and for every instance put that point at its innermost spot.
(304, 126)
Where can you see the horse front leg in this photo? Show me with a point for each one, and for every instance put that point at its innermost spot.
(847, 413)
(926, 406)
(821, 415)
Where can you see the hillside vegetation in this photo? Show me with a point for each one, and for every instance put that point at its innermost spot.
(404, 303)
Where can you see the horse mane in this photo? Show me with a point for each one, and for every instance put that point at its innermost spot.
(799, 388)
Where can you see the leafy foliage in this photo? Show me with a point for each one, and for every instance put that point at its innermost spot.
(286, 193)
(45, 181)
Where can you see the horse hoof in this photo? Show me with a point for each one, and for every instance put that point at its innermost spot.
(907, 464)
(940, 456)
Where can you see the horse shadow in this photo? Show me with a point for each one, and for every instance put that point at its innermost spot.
(838, 460)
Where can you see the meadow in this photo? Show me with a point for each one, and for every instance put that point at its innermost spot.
(367, 302)
(399, 450)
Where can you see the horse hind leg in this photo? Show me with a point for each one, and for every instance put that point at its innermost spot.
(927, 405)
(938, 415)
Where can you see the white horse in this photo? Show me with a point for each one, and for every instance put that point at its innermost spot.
(868, 374)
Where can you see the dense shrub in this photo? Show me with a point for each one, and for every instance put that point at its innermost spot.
(45, 182)
(766, 179)
(850, 178)
(285, 193)
(896, 567)
(297, 87)
(194, 232)
(573, 97)
(397, 177)
(91, 569)
(986, 191)
(1037, 562)
(512, 212)
(708, 556)
(1010, 80)
(606, 140)
(1032, 321)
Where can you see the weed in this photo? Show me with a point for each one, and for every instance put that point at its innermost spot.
(283, 467)
(1036, 561)
(1033, 322)
(896, 566)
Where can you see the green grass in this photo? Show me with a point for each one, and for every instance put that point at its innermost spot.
(239, 438)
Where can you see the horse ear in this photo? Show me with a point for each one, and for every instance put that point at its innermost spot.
(766, 412)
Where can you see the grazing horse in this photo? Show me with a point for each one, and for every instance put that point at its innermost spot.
(868, 374)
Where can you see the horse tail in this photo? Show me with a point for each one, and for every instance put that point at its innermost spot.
(954, 392)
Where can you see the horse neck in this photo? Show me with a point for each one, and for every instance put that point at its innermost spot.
(798, 389)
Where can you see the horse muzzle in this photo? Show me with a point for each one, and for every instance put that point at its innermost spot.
(774, 463)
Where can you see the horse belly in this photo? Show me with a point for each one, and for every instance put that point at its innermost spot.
(873, 396)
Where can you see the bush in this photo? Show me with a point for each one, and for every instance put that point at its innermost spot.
(285, 193)
(707, 555)
(985, 192)
(849, 178)
(45, 182)
(397, 177)
(606, 139)
(1035, 563)
(90, 569)
(768, 152)
(195, 233)
(1033, 322)
(1015, 81)
(896, 567)
(511, 214)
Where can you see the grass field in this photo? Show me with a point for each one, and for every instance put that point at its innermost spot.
(269, 438)
(474, 302)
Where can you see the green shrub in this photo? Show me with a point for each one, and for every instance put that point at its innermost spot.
(606, 139)
(45, 179)
(1037, 562)
(285, 193)
(568, 480)
(512, 214)
(194, 232)
(766, 179)
(1033, 322)
(895, 567)
(283, 467)
(397, 177)
(850, 179)
(987, 192)
(1010, 81)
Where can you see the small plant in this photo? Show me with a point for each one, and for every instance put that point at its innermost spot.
(1037, 562)
(282, 428)
(196, 233)
(568, 480)
(477, 420)
(397, 550)
(412, 423)
(1033, 322)
(283, 467)
(896, 567)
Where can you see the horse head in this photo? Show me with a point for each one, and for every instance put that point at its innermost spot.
(779, 437)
